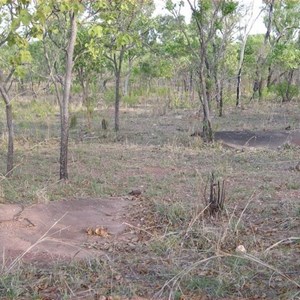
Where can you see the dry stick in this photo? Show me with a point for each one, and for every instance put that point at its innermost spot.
(42, 238)
(290, 239)
(138, 228)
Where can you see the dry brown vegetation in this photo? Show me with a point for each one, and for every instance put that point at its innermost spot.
(181, 252)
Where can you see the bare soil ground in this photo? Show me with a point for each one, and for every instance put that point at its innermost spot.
(59, 230)
(159, 244)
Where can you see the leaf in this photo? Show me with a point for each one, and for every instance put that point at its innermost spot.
(25, 56)
(20, 71)
(124, 40)
(25, 17)
(96, 31)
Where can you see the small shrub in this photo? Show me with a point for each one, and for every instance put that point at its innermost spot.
(285, 90)
(109, 96)
(73, 122)
(130, 100)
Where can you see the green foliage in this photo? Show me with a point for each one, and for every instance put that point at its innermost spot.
(76, 88)
(179, 102)
(109, 96)
(73, 121)
(228, 7)
(287, 55)
(130, 100)
(285, 90)
(34, 109)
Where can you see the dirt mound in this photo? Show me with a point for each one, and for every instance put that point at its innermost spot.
(59, 230)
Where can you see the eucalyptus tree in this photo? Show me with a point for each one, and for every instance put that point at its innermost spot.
(118, 27)
(208, 17)
(57, 21)
(245, 29)
(284, 57)
(171, 47)
(15, 20)
(264, 51)
(87, 68)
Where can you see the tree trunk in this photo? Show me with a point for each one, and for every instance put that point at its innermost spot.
(269, 79)
(10, 146)
(261, 58)
(238, 87)
(118, 67)
(240, 68)
(207, 128)
(10, 131)
(288, 97)
(221, 99)
(117, 101)
(64, 107)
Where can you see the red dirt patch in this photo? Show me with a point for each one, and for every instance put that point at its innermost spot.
(58, 230)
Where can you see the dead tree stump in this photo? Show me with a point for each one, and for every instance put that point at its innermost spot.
(215, 202)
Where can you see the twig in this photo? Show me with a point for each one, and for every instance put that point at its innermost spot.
(290, 239)
(138, 228)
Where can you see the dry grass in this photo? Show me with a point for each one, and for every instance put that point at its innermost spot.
(181, 253)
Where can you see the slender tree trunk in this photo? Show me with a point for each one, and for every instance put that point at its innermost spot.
(221, 99)
(117, 101)
(208, 78)
(288, 87)
(64, 107)
(261, 58)
(269, 79)
(207, 128)
(10, 131)
(118, 67)
(10, 146)
(239, 74)
(238, 87)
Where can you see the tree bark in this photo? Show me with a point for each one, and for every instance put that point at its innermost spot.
(118, 67)
(287, 96)
(117, 101)
(10, 131)
(240, 67)
(64, 106)
(261, 59)
(207, 128)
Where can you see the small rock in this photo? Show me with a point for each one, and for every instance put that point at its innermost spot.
(240, 249)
